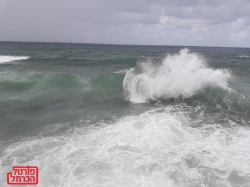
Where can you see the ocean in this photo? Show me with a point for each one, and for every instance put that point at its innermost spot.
(93, 115)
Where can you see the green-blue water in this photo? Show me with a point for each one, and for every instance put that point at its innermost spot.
(117, 115)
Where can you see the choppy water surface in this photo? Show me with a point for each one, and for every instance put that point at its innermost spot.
(110, 115)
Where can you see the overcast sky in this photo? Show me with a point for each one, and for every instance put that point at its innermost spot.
(151, 22)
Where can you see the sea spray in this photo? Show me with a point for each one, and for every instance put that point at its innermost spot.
(180, 75)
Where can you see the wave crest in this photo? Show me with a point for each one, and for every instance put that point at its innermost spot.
(4, 59)
(243, 56)
(180, 75)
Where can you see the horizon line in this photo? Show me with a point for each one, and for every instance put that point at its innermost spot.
(153, 45)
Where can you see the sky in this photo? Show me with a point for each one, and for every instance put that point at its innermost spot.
(140, 22)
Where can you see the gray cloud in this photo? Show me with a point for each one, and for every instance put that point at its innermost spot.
(167, 22)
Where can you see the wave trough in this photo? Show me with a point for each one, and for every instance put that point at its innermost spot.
(180, 75)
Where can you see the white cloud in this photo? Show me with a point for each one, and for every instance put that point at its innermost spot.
(193, 25)
(239, 30)
(172, 22)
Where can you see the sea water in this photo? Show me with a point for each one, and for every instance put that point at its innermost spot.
(117, 115)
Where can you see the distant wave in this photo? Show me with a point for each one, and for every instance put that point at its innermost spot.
(184, 74)
(4, 59)
(243, 56)
(121, 71)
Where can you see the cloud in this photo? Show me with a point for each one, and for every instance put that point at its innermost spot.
(239, 30)
(130, 21)
(193, 25)
(210, 10)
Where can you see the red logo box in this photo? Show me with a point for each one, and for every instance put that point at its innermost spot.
(23, 175)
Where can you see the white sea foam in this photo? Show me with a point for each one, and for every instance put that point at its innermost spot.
(179, 75)
(243, 56)
(4, 59)
(121, 71)
(157, 148)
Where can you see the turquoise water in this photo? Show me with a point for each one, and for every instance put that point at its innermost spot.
(117, 115)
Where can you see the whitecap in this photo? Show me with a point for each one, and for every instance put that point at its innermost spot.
(121, 71)
(4, 59)
(243, 56)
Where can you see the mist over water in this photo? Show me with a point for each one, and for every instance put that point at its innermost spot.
(104, 115)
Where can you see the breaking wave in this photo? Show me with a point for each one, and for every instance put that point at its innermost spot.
(156, 148)
(243, 56)
(4, 59)
(179, 75)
